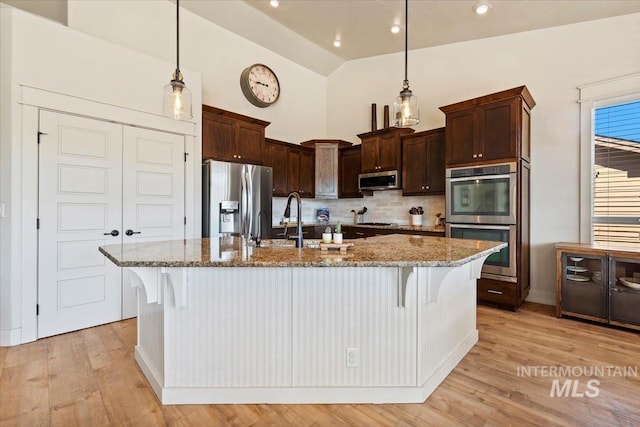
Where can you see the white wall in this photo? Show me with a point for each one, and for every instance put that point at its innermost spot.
(77, 73)
(551, 62)
(217, 54)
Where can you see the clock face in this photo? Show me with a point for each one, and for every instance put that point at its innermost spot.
(260, 85)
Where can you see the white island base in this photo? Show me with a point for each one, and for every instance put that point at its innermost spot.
(303, 335)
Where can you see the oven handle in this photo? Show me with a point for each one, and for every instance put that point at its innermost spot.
(484, 227)
(483, 177)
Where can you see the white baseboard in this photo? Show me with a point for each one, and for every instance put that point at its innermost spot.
(10, 337)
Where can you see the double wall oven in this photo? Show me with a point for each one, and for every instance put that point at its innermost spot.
(481, 204)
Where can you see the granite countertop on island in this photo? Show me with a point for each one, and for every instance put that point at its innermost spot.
(394, 250)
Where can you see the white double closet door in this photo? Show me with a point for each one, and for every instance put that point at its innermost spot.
(100, 183)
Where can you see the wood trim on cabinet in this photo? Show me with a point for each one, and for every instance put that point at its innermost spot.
(232, 115)
(497, 96)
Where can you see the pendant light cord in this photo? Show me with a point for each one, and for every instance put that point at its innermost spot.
(178, 38)
(406, 37)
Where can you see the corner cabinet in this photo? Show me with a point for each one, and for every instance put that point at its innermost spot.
(381, 150)
(599, 283)
(423, 163)
(232, 137)
(490, 128)
(293, 168)
(349, 169)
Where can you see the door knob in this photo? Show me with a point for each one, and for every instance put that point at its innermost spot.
(130, 232)
(114, 233)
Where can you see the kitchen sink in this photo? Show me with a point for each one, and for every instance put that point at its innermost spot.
(283, 243)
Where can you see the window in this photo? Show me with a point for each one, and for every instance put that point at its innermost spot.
(616, 175)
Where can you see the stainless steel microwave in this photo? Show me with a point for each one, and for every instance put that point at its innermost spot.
(386, 180)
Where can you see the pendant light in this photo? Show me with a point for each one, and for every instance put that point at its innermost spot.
(177, 96)
(405, 109)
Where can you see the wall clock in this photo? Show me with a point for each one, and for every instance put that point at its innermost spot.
(260, 85)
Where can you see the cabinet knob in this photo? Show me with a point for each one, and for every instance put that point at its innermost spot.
(422, 188)
(480, 155)
(239, 156)
(475, 156)
(426, 187)
(234, 156)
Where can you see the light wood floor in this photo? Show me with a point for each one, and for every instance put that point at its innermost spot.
(89, 378)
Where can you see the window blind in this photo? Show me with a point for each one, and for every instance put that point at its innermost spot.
(616, 171)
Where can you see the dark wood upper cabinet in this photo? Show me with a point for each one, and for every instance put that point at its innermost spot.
(490, 128)
(307, 172)
(293, 168)
(277, 156)
(232, 137)
(423, 163)
(349, 169)
(382, 149)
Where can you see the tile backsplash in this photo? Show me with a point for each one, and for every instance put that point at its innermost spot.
(383, 206)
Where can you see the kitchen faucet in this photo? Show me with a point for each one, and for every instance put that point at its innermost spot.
(287, 214)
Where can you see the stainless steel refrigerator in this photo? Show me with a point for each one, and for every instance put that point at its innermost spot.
(236, 199)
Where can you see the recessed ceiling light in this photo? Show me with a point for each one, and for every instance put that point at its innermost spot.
(337, 43)
(482, 7)
(274, 3)
(395, 29)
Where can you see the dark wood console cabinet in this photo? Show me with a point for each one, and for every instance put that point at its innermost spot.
(598, 283)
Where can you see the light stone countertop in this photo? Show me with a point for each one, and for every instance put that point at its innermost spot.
(393, 250)
(404, 227)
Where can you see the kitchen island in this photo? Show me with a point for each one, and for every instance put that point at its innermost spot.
(220, 321)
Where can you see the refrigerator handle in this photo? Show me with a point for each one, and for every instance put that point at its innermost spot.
(250, 177)
(243, 203)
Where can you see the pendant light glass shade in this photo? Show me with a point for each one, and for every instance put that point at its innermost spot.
(177, 99)
(176, 102)
(405, 109)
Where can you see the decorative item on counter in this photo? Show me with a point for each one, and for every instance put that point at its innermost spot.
(322, 215)
(437, 222)
(358, 216)
(416, 215)
(386, 117)
(337, 235)
(374, 118)
(326, 236)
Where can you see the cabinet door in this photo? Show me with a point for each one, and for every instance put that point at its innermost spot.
(435, 164)
(249, 143)
(389, 152)
(326, 162)
(293, 169)
(277, 157)
(349, 170)
(624, 293)
(460, 137)
(414, 166)
(218, 137)
(584, 285)
(369, 154)
(498, 130)
(307, 174)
